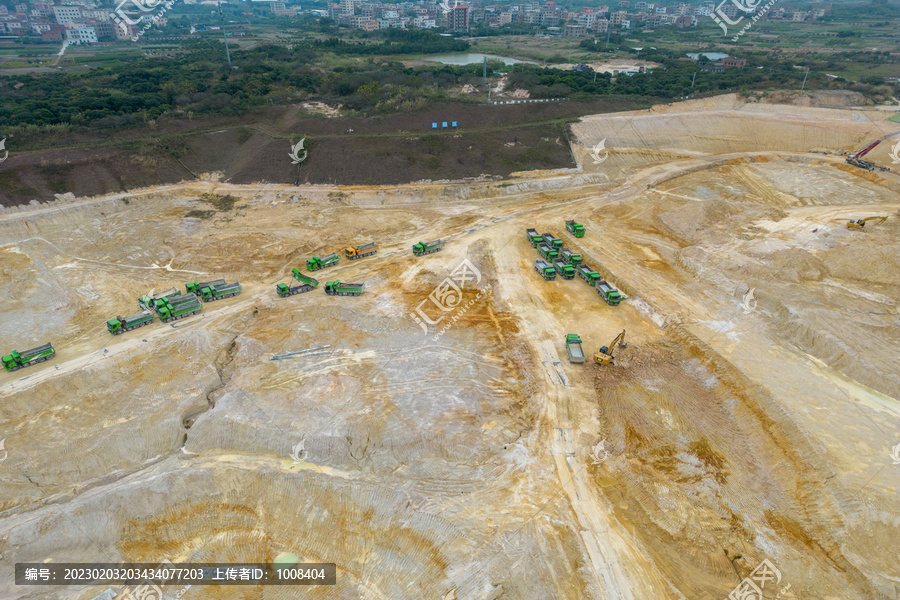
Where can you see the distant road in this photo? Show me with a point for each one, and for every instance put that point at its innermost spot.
(44, 70)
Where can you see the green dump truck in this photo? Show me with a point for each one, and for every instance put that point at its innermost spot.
(575, 229)
(120, 325)
(573, 349)
(567, 271)
(315, 263)
(587, 273)
(546, 271)
(534, 237)
(17, 360)
(336, 288)
(211, 294)
(422, 249)
(547, 252)
(570, 257)
(173, 300)
(608, 292)
(195, 286)
(169, 312)
(148, 302)
(552, 241)
(305, 284)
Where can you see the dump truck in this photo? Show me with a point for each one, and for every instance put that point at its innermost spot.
(422, 249)
(17, 360)
(573, 348)
(305, 284)
(534, 237)
(173, 300)
(547, 252)
(546, 271)
(147, 302)
(570, 257)
(608, 292)
(605, 356)
(211, 294)
(169, 312)
(336, 288)
(354, 252)
(552, 241)
(315, 263)
(587, 273)
(195, 286)
(575, 229)
(567, 271)
(120, 325)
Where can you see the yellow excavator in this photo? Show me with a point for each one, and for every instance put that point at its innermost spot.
(861, 223)
(605, 356)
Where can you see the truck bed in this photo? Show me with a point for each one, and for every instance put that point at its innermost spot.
(136, 316)
(169, 292)
(34, 351)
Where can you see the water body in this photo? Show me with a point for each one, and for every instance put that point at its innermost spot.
(472, 59)
(709, 55)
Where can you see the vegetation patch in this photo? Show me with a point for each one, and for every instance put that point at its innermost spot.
(222, 203)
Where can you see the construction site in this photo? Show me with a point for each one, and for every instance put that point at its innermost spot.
(732, 399)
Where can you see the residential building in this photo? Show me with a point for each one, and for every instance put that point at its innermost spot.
(78, 33)
(574, 30)
(54, 34)
(67, 14)
(39, 27)
(458, 18)
(732, 62)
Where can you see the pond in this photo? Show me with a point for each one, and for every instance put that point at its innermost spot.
(472, 59)
(709, 55)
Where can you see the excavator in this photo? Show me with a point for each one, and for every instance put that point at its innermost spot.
(861, 223)
(605, 356)
(857, 159)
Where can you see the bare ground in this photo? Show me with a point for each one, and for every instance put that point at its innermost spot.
(734, 427)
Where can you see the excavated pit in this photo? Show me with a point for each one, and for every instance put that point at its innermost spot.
(751, 415)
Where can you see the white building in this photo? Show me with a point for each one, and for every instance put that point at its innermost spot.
(81, 34)
(67, 14)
